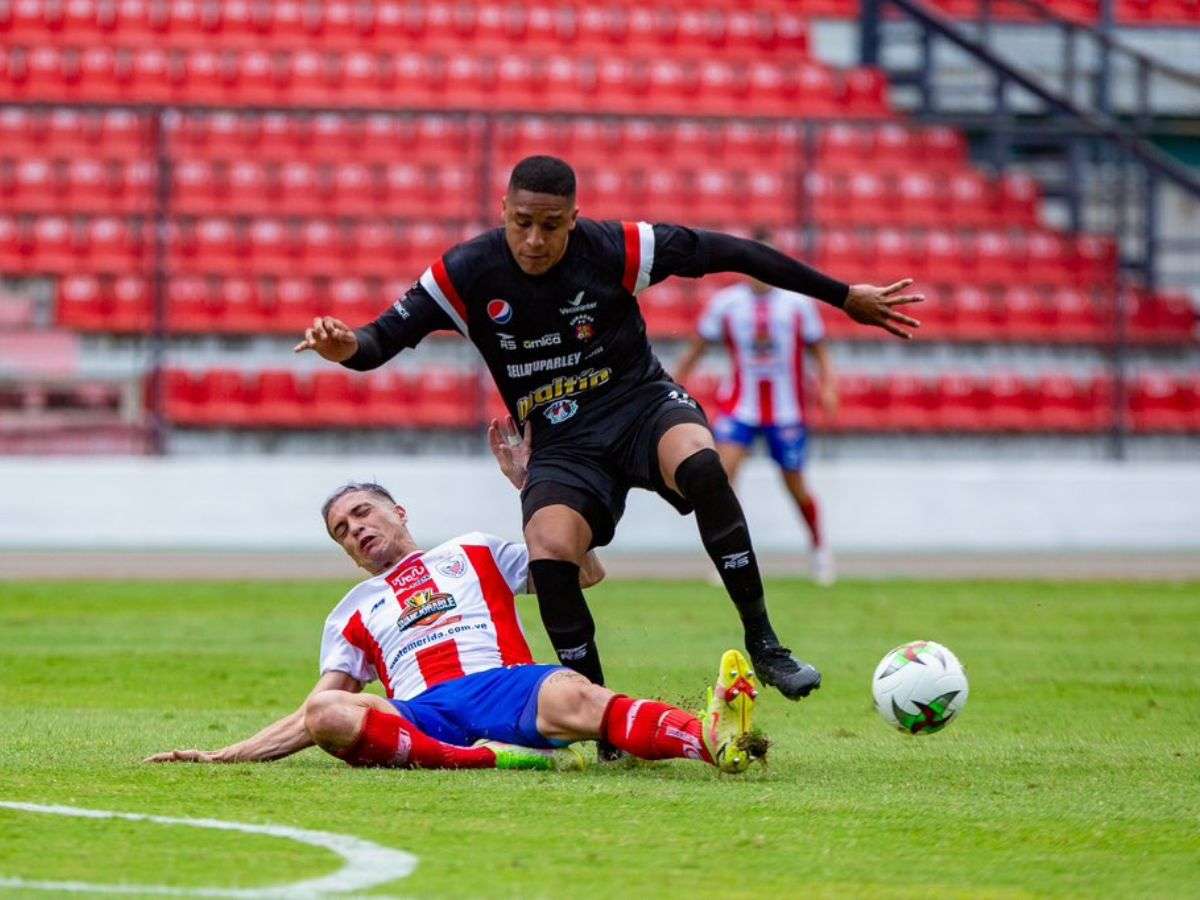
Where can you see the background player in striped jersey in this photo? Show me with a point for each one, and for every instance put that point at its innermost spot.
(439, 629)
(766, 331)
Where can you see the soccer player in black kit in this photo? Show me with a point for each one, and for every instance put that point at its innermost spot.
(550, 302)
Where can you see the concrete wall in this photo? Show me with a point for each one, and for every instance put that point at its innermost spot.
(264, 503)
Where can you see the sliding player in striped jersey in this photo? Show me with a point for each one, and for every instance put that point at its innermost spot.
(439, 628)
(767, 332)
(550, 302)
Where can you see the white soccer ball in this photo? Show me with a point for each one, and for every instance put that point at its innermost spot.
(919, 687)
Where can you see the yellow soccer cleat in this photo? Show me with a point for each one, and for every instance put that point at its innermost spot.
(727, 721)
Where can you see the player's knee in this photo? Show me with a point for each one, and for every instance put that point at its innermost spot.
(701, 474)
(549, 543)
(330, 719)
(573, 708)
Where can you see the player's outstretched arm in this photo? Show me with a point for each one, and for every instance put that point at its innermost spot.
(684, 252)
(691, 356)
(279, 739)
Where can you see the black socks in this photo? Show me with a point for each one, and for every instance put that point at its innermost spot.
(702, 482)
(566, 617)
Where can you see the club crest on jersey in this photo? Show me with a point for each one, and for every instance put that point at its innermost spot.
(584, 329)
(561, 410)
(454, 567)
(499, 311)
(424, 608)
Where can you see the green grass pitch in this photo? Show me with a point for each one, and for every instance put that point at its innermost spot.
(1074, 770)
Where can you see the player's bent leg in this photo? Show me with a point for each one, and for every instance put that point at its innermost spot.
(558, 537)
(701, 480)
(364, 730)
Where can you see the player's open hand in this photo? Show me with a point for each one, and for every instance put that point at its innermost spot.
(511, 449)
(192, 756)
(331, 338)
(872, 305)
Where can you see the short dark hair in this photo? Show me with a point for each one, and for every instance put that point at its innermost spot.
(543, 175)
(350, 487)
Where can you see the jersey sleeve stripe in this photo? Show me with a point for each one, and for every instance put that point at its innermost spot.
(633, 256)
(358, 636)
(436, 280)
(499, 599)
(645, 256)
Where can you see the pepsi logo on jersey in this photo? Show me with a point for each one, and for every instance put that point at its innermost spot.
(499, 311)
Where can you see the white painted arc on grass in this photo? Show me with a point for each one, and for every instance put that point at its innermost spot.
(367, 864)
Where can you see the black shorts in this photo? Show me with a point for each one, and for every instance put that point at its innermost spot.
(593, 466)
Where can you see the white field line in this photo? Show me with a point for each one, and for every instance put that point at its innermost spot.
(366, 864)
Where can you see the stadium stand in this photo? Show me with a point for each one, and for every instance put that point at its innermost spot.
(295, 188)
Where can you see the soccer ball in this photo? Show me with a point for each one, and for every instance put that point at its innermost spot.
(919, 687)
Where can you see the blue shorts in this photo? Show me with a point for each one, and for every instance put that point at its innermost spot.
(496, 705)
(788, 443)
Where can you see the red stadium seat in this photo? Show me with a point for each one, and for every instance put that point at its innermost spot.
(56, 247)
(864, 400)
(241, 307)
(297, 303)
(191, 307)
(1064, 404)
(337, 398)
(965, 404)
(272, 247)
(1155, 404)
(184, 401)
(913, 403)
(132, 305)
(281, 401)
(218, 247)
(353, 302)
(227, 398)
(1015, 403)
(978, 316)
(969, 200)
(80, 303)
(390, 399)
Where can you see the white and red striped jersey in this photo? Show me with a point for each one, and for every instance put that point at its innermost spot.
(766, 335)
(436, 615)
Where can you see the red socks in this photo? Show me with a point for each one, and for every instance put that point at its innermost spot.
(812, 519)
(652, 730)
(390, 740)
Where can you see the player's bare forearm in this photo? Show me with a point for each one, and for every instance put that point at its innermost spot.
(826, 378)
(279, 739)
(690, 357)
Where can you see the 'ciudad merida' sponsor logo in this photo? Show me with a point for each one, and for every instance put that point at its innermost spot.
(562, 386)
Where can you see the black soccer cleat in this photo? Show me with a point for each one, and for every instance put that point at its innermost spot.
(775, 665)
(607, 754)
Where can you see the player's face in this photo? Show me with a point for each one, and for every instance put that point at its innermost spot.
(537, 227)
(370, 530)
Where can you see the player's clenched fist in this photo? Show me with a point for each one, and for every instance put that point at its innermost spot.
(331, 338)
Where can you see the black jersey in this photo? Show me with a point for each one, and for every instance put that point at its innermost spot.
(564, 345)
